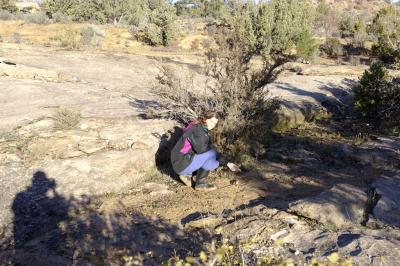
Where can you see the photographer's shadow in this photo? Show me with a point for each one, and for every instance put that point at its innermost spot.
(38, 211)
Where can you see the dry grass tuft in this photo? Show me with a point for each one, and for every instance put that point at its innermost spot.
(66, 118)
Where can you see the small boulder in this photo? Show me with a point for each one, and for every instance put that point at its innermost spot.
(279, 235)
(342, 206)
(139, 146)
(157, 189)
(209, 221)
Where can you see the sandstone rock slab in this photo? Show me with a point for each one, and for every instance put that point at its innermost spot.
(362, 246)
(387, 210)
(92, 145)
(24, 72)
(384, 152)
(342, 206)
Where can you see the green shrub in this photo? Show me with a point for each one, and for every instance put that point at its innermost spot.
(89, 10)
(87, 34)
(69, 40)
(35, 18)
(154, 18)
(306, 47)
(153, 34)
(354, 26)
(386, 29)
(8, 5)
(333, 48)
(278, 33)
(161, 21)
(59, 17)
(348, 23)
(377, 97)
(212, 8)
(385, 52)
(360, 35)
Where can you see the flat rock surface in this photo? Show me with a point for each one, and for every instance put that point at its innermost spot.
(362, 247)
(303, 97)
(387, 210)
(342, 206)
(306, 97)
(23, 101)
(383, 152)
(76, 162)
(117, 72)
(270, 232)
(23, 72)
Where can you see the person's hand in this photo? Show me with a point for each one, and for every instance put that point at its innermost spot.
(233, 167)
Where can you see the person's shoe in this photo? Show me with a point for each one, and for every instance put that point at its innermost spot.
(187, 180)
(201, 184)
(205, 187)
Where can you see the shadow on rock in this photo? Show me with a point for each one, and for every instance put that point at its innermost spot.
(121, 237)
(163, 154)
(52, 230)
(38, 211)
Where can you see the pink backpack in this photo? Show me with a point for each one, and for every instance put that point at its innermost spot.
(187, 146)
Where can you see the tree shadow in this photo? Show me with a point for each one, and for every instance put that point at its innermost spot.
(299, 167)
(143, 106)
(50, 229)
(333, 98)
(337, 100)
(118, 237)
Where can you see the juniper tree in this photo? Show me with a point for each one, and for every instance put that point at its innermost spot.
(252, 45)
(386, 30)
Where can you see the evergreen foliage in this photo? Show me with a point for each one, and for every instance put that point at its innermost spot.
(333, 48)
(8, 5)
(377, 97)
(354, 26)
(201, 8)
(161, 23)
(386, 29)
(155, 18)
(270, 33)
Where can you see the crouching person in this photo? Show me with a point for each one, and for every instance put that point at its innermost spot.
(194, 152)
